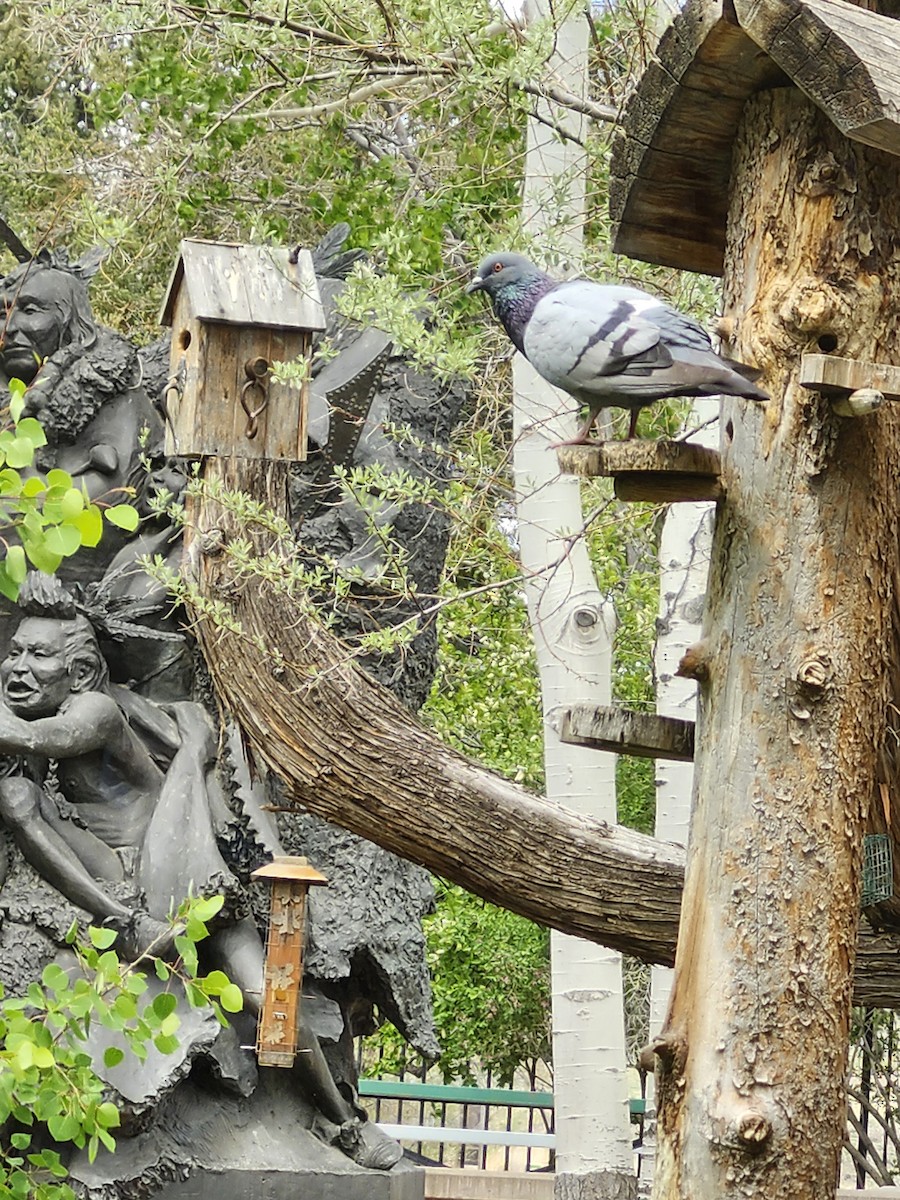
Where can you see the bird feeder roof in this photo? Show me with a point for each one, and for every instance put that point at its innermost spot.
(671, 165)
(291, 868)
(237, 284)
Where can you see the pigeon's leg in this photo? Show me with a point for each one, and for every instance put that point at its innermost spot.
(632, 426)
(582, 437)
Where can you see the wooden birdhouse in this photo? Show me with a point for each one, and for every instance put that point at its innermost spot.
(276, 1037)
(235, 311)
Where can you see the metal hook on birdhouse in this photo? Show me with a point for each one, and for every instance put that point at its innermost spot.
(256, 370)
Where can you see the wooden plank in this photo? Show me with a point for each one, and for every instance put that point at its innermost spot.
(830, 374)
(618, 458)
(658, 487)
(845, 58)
(644, 735)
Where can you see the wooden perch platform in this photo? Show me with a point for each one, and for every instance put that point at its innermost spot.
(623, 732)
(662, 472)
(839, 376)
(671, 164)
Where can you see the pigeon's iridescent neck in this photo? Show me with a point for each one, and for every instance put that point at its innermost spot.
(515, 303)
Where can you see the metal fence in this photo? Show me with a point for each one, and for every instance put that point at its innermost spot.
(487, 1128)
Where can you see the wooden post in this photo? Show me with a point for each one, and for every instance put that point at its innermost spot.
(799, 638)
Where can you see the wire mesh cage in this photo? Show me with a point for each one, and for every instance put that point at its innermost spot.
(878, 869)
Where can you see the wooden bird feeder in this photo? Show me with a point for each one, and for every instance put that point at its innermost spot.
(235, 311)
(276, 1038)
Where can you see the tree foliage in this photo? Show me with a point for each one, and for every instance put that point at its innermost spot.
(138, 122)
(49, 1082)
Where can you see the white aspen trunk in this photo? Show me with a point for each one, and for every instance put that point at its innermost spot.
(684, 550)
(573, 629)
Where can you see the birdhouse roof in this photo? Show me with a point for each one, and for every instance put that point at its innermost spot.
(289, 867)
(246, 285)
(671, 165)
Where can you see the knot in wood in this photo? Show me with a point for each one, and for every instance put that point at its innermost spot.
(809, 309)
(694, 663)
(753, 1131)
(814, 675)
(585, 618)
(212, 541)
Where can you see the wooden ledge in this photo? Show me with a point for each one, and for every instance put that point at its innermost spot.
(622, 732)
(839, 376)
(662, 472)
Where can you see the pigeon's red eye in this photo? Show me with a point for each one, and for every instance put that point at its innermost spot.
(498, 266)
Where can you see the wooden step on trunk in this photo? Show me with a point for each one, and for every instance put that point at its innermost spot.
(622, 732)
(663, 472)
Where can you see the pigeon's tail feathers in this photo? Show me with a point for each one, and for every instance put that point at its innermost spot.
(749, 376)
(719, 376)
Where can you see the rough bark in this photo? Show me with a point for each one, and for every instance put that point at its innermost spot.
(799, 637)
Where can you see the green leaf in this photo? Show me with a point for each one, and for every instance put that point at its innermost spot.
(7, 588)
(205, 908)
(10, 482)
(44, 1058)
(112, 1056)
(40, 557)
(162, 971)
(71, 503)
(124, 516)
(59, 479)
(33, 486)
(231, 998)
(54, 978)
(16, 566)
(107, 1116)
(164, 1004)
(16, 398)
(101, 938)
(215, 983)
(170, 1025)
(31, 429)
(21, 1141)
(25, 1054)
(63, 539)
(165, 1043)
(20, 452)
(89, 524)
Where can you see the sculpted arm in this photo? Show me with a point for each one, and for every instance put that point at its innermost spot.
(86, 723)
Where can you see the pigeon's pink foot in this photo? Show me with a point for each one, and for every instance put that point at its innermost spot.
(581, 440)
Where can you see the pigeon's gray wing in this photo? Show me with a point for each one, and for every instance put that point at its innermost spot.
(583, 330)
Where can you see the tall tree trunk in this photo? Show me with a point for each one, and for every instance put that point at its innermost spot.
(573, 629)
(799, 637)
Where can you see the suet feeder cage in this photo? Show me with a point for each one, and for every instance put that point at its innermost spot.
(235, 311)
(291, 878)
(878, 869)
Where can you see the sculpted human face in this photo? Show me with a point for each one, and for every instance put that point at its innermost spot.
(35, 673)
(32, 320)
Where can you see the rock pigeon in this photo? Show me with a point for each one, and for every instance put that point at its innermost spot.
(606, 345)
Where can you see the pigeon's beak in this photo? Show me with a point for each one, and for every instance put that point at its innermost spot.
(475, 286)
